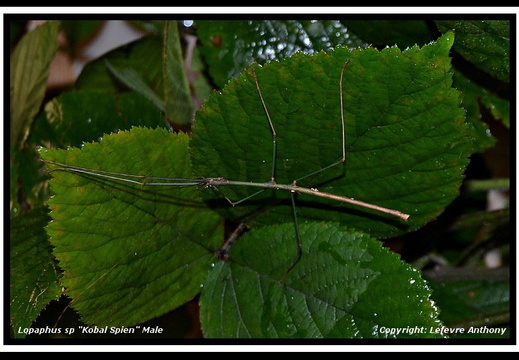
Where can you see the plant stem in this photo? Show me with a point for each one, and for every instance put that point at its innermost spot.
(484, 185)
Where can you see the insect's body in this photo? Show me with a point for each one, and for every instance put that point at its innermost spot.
(293, 188)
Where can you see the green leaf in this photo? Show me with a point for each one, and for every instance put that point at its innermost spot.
(85, 115)
(34, 276)
(143, 56)
(14, 205)
(345, 285)
(499, 107)
(472, 97)
(132, 79)
(177, 97)
(472, 297)
(29, 66)
(230, 46)
(130, 253)
(78, 32)
(485, 43)
(153, 67)
(30, 176)
(406, 140)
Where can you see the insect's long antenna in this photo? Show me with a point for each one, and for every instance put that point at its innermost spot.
(143, 180)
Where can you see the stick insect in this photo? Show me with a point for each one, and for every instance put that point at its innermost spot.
(218, 182)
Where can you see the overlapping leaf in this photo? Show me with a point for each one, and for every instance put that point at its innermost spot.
(344, 285)
(485, 43)
(130, 253)
(406, 139)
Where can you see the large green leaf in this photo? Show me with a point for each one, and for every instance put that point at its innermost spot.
(406, 140)
(130, 253)
(345, 285)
